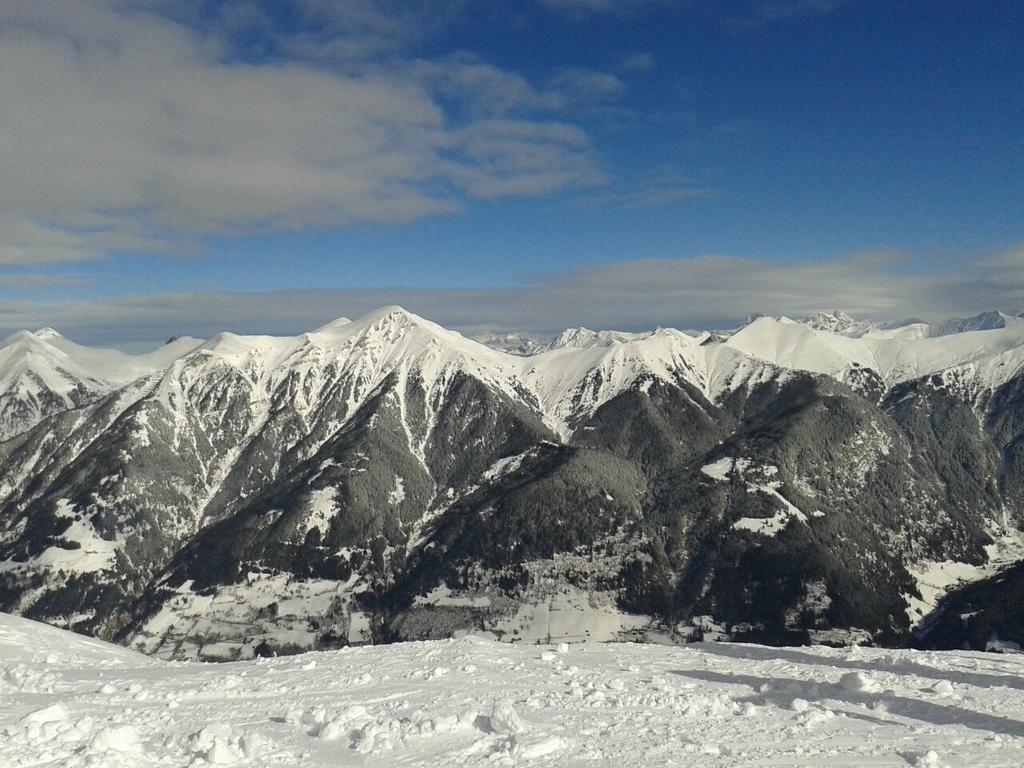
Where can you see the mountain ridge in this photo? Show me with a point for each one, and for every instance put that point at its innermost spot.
(390, 479)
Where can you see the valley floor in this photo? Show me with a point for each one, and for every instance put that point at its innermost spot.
(66, 700)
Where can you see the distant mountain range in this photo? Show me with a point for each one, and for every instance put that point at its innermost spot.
(814, 480)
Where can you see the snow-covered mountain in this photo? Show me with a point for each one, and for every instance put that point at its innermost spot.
(983, 357)
(387, 478)
(513, 343)
(43, 373)
(837, 322)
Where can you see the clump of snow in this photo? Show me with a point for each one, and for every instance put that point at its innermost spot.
(722, 468)
(115, 738)
(504, 718)
(397, 494)
(858, 681)
(54, 713)
(504, 466)
(320, 510)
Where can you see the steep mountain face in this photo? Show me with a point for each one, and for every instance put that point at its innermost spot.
(867, 503)
(389, 479)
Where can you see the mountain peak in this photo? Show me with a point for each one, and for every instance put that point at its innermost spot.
(991, 320)
(586, 338)
(394, 318)
(391, 317)
(20, 336)
(390, 312)
(47, 333)
(519, 343)
(835, 321)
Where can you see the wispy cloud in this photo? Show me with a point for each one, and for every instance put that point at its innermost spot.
(636, 64)
(653, 189)
(41, 281)
(581, 9)
(484, 89)
(764, 12)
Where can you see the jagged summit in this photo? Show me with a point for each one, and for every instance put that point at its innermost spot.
(835, 321)
(519, 343)
(584, 337)
(394, 319)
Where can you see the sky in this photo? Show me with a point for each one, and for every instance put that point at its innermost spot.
(186, 166)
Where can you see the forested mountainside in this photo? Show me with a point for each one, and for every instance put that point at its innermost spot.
(789, 481)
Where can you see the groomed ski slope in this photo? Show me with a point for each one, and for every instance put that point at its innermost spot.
(66, 700)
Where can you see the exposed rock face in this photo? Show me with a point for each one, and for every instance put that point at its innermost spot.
(388, 479)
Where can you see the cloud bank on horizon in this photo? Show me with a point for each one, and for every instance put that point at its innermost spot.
(184, 167)
(705, 292)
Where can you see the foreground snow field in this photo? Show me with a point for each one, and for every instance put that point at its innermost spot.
(66, 700)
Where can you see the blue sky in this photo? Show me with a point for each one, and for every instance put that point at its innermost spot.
(265, 166)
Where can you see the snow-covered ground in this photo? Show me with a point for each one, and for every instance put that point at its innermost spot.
(66, 700)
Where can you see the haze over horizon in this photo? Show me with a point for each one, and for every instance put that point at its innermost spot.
(184, 168)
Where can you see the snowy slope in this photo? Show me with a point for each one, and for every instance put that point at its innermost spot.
(72, 702)
(790, 344)
(387, 341)
(573, 380)
(43, 373)
(988, 355)
(24, 355)
(115, 366)
(582, 370)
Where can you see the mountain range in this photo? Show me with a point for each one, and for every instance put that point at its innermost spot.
(817, 480)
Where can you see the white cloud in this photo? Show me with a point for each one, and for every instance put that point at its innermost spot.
(481, 88)
(484, 89)
(124, 129)
(516, 158)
